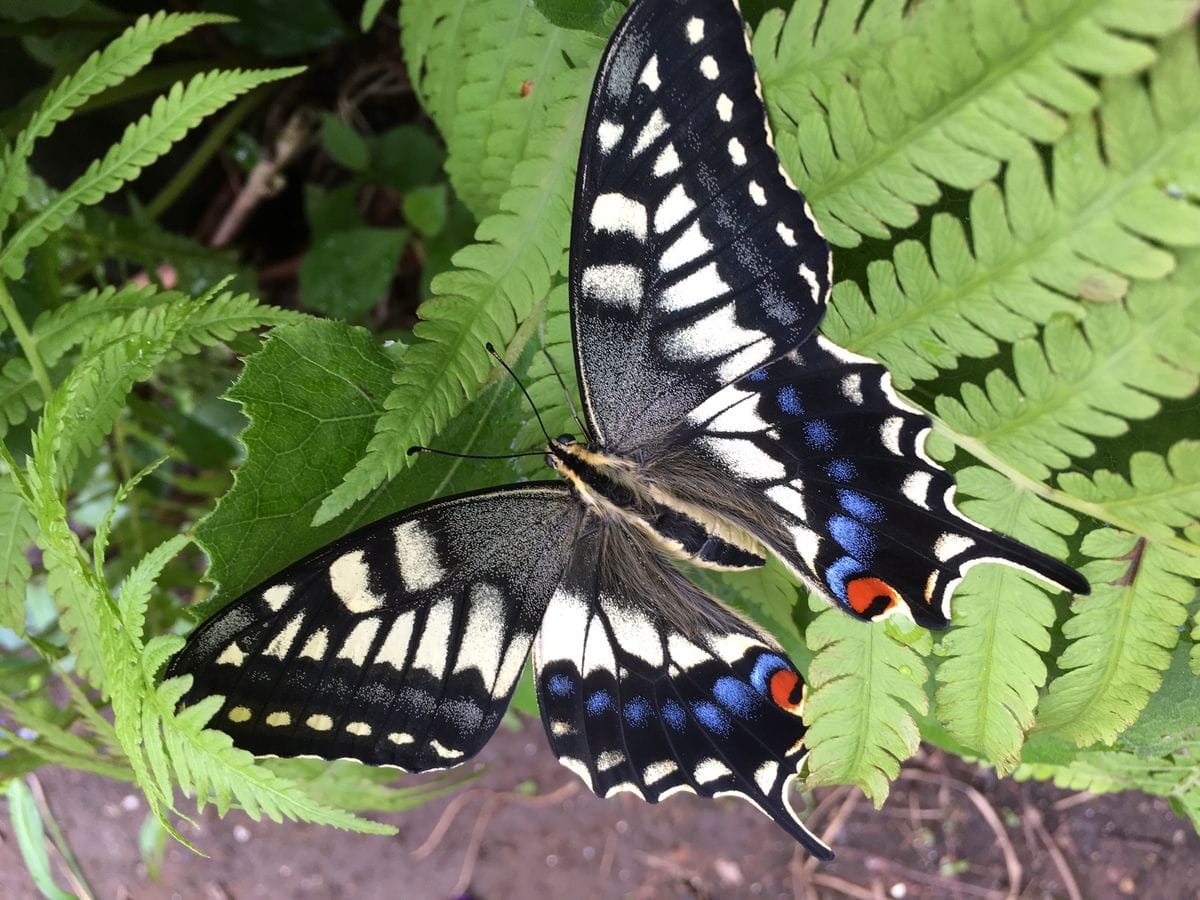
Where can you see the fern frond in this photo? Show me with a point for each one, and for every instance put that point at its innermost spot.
(17, 529)
(992, 669)
(1111, 216)
(1080, 382)
(1122, 636)
(123, 58)
(964, 89)
(57, 331)
(495, 285)
(865, 684)
(171, 117)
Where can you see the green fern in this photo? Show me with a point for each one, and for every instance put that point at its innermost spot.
(17, 529)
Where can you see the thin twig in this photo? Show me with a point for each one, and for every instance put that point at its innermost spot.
(1011, 862)
(490, 805)
(849, 888)
(71, 868)
(1073, 801)
(1034, 817)
(944, 883)
(606, 864)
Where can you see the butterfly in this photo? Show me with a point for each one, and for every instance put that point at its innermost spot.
(719, 428)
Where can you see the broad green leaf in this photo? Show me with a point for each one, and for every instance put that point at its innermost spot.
(280, 27)
(345, 274)
(343, 144)
(585, 14)
(426, 209)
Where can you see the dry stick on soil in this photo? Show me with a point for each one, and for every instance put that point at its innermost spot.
(802, 866)
(1073, 800)
(606, 864)
(490, 805)
(849, 888)
(1011, 862)
(946, 885)
(264, 179)
(58, 841)
(1034, 817)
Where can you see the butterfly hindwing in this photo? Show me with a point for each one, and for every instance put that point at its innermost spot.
(693, 258)
(400, 644)
(648, 685)
(824, 463)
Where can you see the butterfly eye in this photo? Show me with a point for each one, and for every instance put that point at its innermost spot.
(567, 439)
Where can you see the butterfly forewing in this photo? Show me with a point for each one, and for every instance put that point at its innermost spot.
(400, 644)
(822, 461)
(693, 259)
(648, 685)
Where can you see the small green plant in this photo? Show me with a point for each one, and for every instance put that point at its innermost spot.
(1013, 194)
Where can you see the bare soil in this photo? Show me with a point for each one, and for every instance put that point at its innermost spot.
(948, 830)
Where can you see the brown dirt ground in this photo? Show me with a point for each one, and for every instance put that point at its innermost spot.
(932, 839)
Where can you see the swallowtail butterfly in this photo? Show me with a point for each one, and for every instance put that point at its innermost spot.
(721, 427)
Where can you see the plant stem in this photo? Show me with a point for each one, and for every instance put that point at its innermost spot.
(25, 339)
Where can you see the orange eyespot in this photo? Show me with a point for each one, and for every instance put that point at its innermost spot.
(785, 685)
(871, 597)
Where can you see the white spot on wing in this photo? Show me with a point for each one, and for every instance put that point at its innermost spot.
(319, 722)
(483, 641)
(788, 498)
(710, 770)
(514, 661)
(949, 545)
(667, 162)
(276, 596)
(789, 236)
(609, 759)
(709, 68)
(618, 283)
(650, 132)
(744, 360)
(724, 399)
(657, 771)
(737, 152)
(811, 277)
(650, 74)
(282, 642)
(695, 30)
(417, 557)
(399, 738)
(701, 286)
(617, 213)
(889, 434)
(733, 645)
(597, 652)
(676, 207)
(435, 639)
(852, 388)
(394, 651)
(279, 719)
(443, 751)
(717, 334)
(684, 653)
(740, 418)
(239, 714)
(633, 632)
(231, 656)
(564, 622)
(578, 768)
(609, 134)
(358, 642)
(916, 488)
(689, 246)
(765, 776)
(315, 646)
(807, 544)
(361, 729)
(744, 459)
(349, 578)
(757, 194)
(725, 108)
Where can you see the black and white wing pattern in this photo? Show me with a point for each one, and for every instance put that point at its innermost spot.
(646, 684)
(398, 645)
(693, 258)
(817, 456)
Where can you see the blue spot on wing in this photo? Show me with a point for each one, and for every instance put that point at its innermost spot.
(819, 435)
(599, 702)
(735, 695)
(859, 506)
(637, 711)
(764, 667)
(836, 575)
(841, 470)
(855, 537)
(561, 685)
(711, 716)
(757, 375)
(674, 715)
(789, 401)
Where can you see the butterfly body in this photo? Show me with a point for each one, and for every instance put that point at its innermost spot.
(721, 428)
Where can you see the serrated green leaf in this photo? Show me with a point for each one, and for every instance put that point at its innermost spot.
(17, 529)
(426, 209)
(171, 117)
(864, 686)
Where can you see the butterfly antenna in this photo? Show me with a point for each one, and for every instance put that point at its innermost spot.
(508, 369)
(583, 429)
(420, 449)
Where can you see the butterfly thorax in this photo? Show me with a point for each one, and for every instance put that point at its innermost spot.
(614, 488)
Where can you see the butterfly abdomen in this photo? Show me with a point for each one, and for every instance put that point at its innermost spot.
(611, 488)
